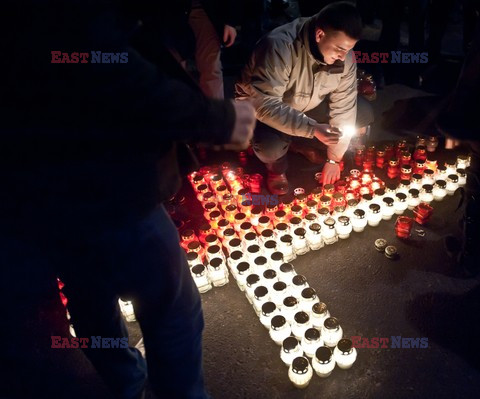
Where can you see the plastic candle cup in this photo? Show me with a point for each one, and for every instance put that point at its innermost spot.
(200, 276)
(400, 203)
(462, 177)
(311, 341)
(308, 297)
(374, 215)
(291, 349)
(299, 283)
(329, 234)
(323, 362)
(413, 198)
(286, 247)
(423, 213)
(299, 241)
(314, 237)
(218, 272)
(426, 193)
(359, 221)
(289, 308)
(345, 354)
(269, 309)
(300, 372)
(343, 227)
(252, 282)
(331, 332)
(388, 207)
(241, 274)
(319, 314)
(440, 190)
(452, 184)
(260, 296)
(279, 329)
(301, 322)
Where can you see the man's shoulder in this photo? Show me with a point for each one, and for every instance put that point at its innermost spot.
(286, 34)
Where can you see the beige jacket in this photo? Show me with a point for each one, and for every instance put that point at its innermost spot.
(283, 82)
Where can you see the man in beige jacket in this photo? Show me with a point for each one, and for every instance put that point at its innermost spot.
(302, 81)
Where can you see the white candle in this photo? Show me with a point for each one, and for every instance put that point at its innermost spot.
(345, 354)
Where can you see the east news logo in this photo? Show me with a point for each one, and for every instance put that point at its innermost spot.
(93, 57)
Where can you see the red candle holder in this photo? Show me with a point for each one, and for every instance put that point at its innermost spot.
(423, 212)
(405, 172)
(420, 153)
(389, 151)
(403, 226)
(341, 186)
(359, 155)
(256, 183)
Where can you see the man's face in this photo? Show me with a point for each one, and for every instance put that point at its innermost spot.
(333, 45)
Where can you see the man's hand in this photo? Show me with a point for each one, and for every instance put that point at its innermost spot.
(244, 123)
(327, 134)
(330, 173)
(229, 35)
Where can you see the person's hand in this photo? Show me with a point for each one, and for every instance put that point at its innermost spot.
(330, 173)
(229, 35)
(244, 123)
(327, 134)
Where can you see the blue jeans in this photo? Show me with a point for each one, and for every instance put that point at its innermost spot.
(142, 262)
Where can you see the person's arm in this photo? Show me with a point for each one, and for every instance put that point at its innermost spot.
(264, 81)
(343, 107)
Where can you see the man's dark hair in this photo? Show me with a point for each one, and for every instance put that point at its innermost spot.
(340, 16)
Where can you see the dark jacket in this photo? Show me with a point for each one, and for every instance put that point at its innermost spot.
(94, 143)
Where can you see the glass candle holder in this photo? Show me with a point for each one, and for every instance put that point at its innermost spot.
(403, 187)
(280, 230)
(441, 173)
(280, 217)
(234, 245)
(374, 216)
(380, 159)
(401, 204)
(359, 221)
(325, 202)
(419, 166)
(338, 211)
(393, 170)
(462, 177)
(286, 272)
(255, 214)
(269, 247)
(279, 329)
(329, 233)
(416, 181)
(252, 252)
(242, 271)
(291, 349)
(403, 226)
(193, 258)
(452, 184)
(252, 282)
(218, 273)
(451, 166)
(378, 195)
(413, 198)
(200, 276)
(264, 222)
(428, 177)
(266, 235)
(323, 213)
(426, 193)
(276, 260)
(233, 260)
(331, 332)
(309, 219)
(314, 237)
(299, 283)
(238, 219)
(260, 296)
(301, 322)
(296, 211)
(278, 292)
(405, 172)
(269, 278)
(300, 372)
(423, 212)
(343, 227)
(345, 354)
(260, 265)
(420, 153)
(319, 314)
(365, 202)
(440, 190)
(323, 362)
(431, 164)
(286, 247)
(299, 241)
(211, 239)
(228, 235)
(222, 225)
(311, 341)
(307, 298)
(250, 238)
(359, 155)
(269, 309)
(289, 308)
(388, 207)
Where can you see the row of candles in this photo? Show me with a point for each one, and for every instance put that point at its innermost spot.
(258, 258)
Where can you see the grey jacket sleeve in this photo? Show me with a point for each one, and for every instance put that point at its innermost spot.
(264, 81)
(343, 106)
